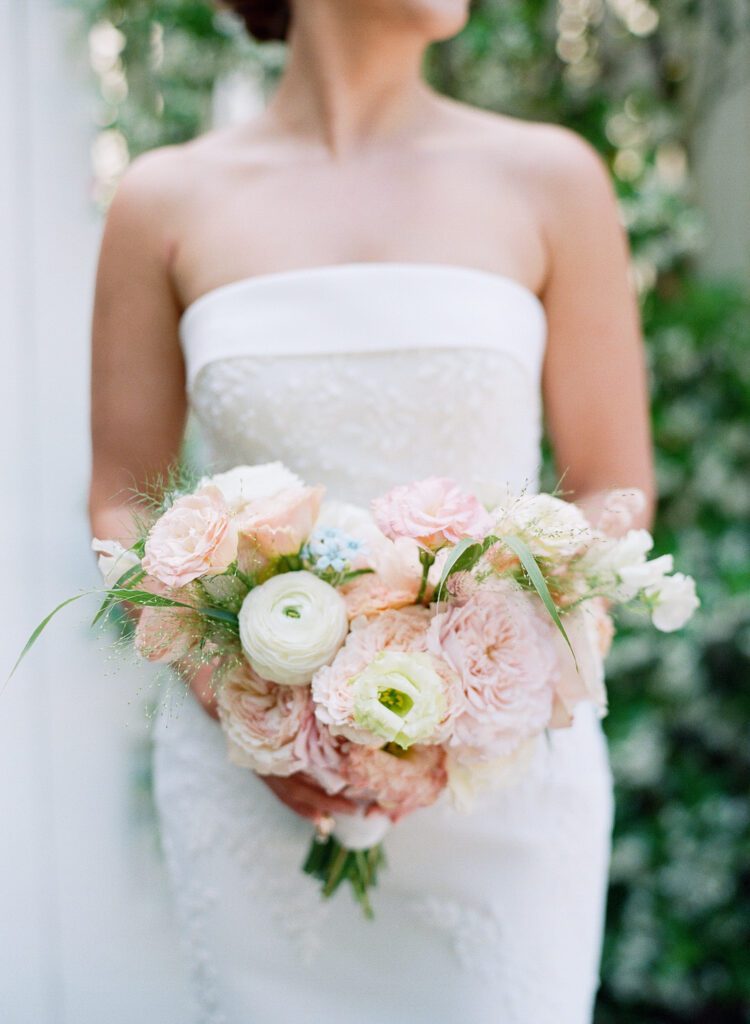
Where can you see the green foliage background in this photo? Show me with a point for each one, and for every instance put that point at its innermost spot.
(635, 78)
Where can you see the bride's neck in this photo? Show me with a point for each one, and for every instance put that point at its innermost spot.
(350, 79)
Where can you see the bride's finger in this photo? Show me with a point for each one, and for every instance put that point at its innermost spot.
(325, 803)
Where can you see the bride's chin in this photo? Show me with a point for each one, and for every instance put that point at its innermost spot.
(438, 19)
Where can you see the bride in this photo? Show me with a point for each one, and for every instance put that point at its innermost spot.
(374, 283)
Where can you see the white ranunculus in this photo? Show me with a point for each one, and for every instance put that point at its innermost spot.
(552, 528)
(675, 600)
(634, 578)
(399, 697)
(244, 484)
(292, 625)
(114, 560)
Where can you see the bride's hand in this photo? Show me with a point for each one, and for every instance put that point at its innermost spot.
(200, 681)
(307, 799)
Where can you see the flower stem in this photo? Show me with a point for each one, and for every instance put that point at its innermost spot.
(426, 559)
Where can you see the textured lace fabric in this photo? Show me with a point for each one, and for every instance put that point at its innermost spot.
(404, 415)
(360, 377)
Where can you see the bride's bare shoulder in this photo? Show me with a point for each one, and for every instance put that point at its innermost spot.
(551, 156)
(166, 177)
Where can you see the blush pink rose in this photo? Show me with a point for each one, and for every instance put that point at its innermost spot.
(504, 653)
(399, 783)
(322, 754)
(590, 632)
(195, 537)
(277, 526)
(262, 722)
(433, 512)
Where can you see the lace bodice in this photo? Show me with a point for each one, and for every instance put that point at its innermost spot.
(364, 375)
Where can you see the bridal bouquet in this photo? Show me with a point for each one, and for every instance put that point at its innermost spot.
(390, 654)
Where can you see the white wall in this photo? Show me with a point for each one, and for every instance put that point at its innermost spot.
(85, 929)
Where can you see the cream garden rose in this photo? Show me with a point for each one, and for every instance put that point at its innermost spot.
(244, 484)
(552, 528)
(291, 625)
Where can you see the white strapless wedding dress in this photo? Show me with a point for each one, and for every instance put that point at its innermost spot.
(362, 376)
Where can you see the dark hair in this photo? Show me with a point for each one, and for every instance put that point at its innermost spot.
(264, 19)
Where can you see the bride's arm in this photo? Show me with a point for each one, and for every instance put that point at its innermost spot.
(138, 382)
(138, 402)
(595, 385)
(138, 386)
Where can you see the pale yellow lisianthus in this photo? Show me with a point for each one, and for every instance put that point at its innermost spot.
(399, 697)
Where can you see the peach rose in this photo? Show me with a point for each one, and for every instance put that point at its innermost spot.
(277, 526)
(503, 651)
(398, 782)
(262, 722)
(195, 537)
(433, 512)
(369, 594)
(165, 635)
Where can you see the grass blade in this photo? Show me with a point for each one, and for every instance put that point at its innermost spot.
(538, 582)
(40, 629)
(134, 574)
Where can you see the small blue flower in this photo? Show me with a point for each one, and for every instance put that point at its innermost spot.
(331, 549)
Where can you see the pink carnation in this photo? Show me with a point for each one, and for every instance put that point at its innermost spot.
(195, 537)
(433, 512)
(399, 783)
(504, 653)
(262, 722)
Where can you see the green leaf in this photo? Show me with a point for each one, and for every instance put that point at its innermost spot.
(127, 594)
(354, 573)
(538, 582)
(220, 615)
(40, 629)
(463, 557)
(134, 574)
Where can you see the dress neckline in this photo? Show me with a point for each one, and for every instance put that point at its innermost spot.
(256, 281)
